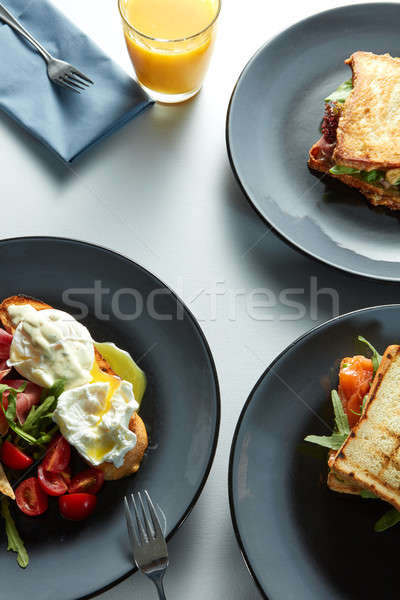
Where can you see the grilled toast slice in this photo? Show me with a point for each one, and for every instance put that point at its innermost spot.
(134, 457)
(368, 133)
(343, 485)
(370, 457)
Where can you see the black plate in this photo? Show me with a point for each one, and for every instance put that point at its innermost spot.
(273, 120)
(181, 410)
(300, 540)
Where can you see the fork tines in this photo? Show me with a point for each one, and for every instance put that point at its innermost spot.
(144, 527)
(75, 80)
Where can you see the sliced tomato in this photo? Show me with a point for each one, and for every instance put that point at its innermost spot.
(355, 379)
(57, 456)
(66, 475)
(3, 420)
(52, 484)
(13, 457)
(89, 481)
(77, 507)
(30, 497)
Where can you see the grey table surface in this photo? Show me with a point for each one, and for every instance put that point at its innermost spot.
(161, 191)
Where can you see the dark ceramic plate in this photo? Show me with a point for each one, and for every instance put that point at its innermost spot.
(273, 120)
(300, 540)
(180, 409)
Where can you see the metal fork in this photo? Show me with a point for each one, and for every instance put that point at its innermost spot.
(148, 542)
(59, 72)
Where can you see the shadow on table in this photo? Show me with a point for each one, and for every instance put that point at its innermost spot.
(262, 252)
(44, 157)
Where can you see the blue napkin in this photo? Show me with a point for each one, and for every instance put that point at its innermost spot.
(67, 122)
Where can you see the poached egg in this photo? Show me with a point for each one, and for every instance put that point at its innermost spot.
(94, 410)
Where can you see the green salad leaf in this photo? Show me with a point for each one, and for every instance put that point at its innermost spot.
(376, 357)
(35, 430)
(15, 543)
(389, 519)
(372, 176)
(341, 420)
(338, 437)
(341, 93)
(334, 441)
(343, 170)
(39, 418)
(368, 495)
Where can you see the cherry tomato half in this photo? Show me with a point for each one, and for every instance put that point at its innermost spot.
(13, 457)
(89, 481)
(52, 484)
(77, 507)
(57, 456)
(66, 475)
(30, 497)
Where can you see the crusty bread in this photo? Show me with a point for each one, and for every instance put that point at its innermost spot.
(368, 134)
(370, 456)
(134, 457)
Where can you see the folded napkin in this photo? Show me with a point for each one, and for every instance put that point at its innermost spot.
(67, 122)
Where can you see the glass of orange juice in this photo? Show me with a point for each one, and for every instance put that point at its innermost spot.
(170, 44)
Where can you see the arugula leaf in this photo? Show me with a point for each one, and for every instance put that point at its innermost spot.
(343, 170)
(33, 423)
(389, 519)
(55, 390)
(40, 417)
(333, 441)
(376, 357)
(15, 542)
(337, 438)
(364, 402)
(11, 411)
(341, 93)
(372, 176)
(341, 420)
(10, 415)
(368, 494)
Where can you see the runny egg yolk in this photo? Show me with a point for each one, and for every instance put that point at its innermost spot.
(99, 450)
(101, 376)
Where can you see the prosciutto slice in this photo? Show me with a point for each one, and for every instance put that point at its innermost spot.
(26, 399)
(5, 343)
(4, 370)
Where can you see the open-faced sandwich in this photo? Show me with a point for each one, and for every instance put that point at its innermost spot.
(360, 142)
(61, 392)
(364, 456)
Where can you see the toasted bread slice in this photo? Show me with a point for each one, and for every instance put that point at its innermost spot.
(343, 485)
(368, 134)
(134, 457)
(5, 487)
(370, 457)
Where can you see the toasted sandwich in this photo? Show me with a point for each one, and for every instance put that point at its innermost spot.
(370, 457)
(360, 142)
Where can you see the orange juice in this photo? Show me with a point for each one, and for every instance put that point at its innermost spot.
(170, 43)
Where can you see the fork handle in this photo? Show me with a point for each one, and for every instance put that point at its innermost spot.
(8, 18)
(157, 579)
